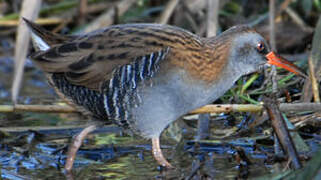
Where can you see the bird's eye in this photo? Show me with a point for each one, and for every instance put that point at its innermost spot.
(260, 47)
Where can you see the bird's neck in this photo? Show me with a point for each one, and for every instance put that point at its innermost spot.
(203, 76)
(196, 93)
(227, 78)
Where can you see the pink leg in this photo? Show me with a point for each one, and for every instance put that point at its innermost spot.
(158, 155)
(75, 145)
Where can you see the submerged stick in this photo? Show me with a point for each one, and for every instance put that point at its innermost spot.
(281, 131)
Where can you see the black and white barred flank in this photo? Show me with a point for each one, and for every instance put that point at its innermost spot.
(121, 93)
(91, 100)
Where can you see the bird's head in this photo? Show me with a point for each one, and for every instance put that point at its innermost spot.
(249, 52)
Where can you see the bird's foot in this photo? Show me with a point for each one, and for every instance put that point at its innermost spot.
(158, 155)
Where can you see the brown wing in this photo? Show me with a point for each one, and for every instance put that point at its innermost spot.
(89, 60)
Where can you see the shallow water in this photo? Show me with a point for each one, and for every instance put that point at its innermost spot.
(127, 158)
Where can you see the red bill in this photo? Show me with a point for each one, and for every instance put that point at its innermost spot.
(279, 61)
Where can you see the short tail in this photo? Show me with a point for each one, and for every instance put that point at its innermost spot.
(43, 39)
(47, 56)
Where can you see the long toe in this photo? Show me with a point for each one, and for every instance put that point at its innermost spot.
(158, 155)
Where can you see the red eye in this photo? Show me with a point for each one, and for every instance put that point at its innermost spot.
(260, 47)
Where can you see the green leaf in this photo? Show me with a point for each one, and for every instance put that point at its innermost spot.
(299, 143)
(317, 4)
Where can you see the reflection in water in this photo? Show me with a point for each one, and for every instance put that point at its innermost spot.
(128, 157)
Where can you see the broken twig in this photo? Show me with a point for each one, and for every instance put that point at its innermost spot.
(281, 131)
(314, 82)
